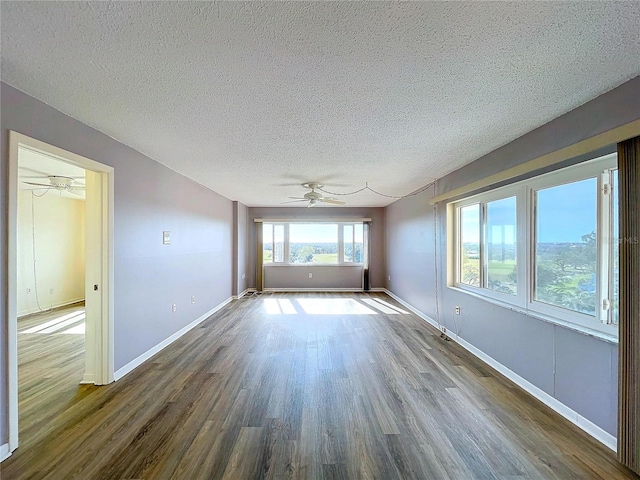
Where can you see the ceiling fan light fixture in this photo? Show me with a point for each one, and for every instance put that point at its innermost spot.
(312, 203)
(60, 183)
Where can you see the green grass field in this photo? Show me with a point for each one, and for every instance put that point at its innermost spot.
(499, 271)
(267, 257)
(325, 258)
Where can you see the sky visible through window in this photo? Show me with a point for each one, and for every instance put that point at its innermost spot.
(568, 213)
(313, 233)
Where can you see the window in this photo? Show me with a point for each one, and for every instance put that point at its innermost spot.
(319, 243)
(272, 243)
(313, 243)
(500, 261)
(566, 254)
(470, 245)
(548, 244)
(353, 243)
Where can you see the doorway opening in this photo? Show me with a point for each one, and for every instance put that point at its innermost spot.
(60, 277)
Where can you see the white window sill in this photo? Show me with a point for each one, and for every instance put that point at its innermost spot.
(307, 265)
(545, 318)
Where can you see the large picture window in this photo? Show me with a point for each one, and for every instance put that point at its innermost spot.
(313, 243)
(318, 243)
(566, 250)
(548, 244)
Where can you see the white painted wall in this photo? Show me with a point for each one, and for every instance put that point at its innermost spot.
(60, 251)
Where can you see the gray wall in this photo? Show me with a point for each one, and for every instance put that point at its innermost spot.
(410, 260)
(578, 370)
(240, 247)
(4, 164)
(149, 198)
(377, 268)
(324, 276)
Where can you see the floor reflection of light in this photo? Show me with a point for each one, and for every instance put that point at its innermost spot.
(387, 304)
(73, 316)
(272, 307)
(279, 306)
(64, 324)
(379, 306)
(287, 307)
(333, 306)
(76, 330)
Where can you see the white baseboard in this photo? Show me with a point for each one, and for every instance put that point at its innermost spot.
(49, 306)
(312, 289)
(121, 372)
(242, 294)
(4, 452)
(378, 289)
(88, 379)
(574, 417)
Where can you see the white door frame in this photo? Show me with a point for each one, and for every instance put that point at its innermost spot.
(99, 343)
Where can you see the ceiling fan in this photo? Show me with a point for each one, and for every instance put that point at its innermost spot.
(57, 182)
(314, 197)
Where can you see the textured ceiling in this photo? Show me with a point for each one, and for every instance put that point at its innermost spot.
(247, 97)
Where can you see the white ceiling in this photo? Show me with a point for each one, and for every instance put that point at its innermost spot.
(247, 97)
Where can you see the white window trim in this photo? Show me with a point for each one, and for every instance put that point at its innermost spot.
(524, 301)
(505, 192)
(286, 262)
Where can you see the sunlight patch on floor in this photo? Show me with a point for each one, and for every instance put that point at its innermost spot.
(379, 306)
(75, 330)
(388, 305)
(280, 306)
(334, 306)
(57, 323)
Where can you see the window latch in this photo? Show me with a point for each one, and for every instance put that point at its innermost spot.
(606, 304)
(606, 189)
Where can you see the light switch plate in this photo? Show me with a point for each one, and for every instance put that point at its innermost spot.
(166, 237)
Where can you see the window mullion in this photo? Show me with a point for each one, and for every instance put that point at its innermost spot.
(603, 245)
(483, 245)
(286, 255)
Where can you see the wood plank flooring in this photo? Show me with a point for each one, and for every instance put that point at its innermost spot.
(50, 366)
(311, 386)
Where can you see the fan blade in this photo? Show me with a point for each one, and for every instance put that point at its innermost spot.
(79, 187)
(75, 193)
(38, 184)
(45, 177)
(295, 201)
(34, 189)
(333, 201)
(297, 198)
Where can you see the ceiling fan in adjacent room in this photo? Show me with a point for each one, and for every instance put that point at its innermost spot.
(57, 182)
(313, 197)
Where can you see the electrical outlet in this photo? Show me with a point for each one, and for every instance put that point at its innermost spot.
(444, 329)
(174, 307)
(389, 277)
(51, 291)
(244, 275)
(457, 309)
(28, 291)
(193, 299)
(310, 275)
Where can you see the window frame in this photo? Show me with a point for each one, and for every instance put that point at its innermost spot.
(340, 249)
(483, 199)
(526, 226)
(285, 253)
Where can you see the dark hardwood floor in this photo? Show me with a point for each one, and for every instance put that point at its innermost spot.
(313, 386)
